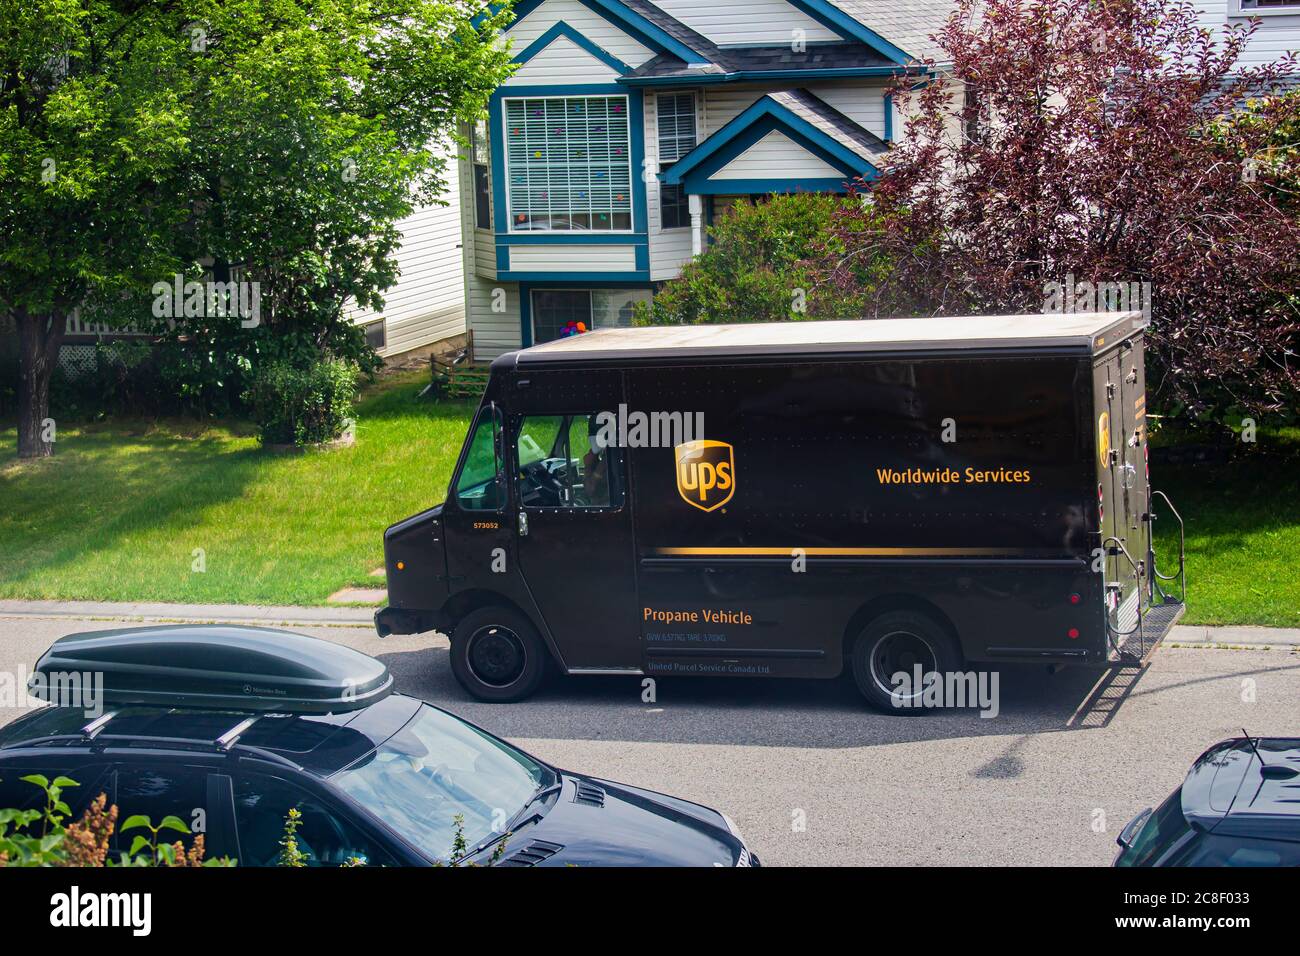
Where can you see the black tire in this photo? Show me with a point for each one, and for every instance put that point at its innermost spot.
(897, 641)
(497, 655)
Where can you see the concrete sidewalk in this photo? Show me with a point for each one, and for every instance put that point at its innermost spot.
(364, 617)
(1233, 635)
(193, 613)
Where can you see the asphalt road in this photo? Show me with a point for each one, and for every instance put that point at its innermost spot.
(813, 777)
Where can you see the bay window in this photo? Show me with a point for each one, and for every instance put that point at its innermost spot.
(568, 164)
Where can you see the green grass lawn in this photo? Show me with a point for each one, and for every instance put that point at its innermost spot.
(1243, 538)
(119, 510)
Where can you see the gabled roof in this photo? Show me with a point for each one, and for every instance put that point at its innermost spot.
(811, 122)
(679, 31)
(831, 121)
(878, 34)
(880, 38)
(907, 24)
(562, 29)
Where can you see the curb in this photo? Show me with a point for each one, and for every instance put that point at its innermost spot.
(364, 617)
(193, 613)
(1236, 635)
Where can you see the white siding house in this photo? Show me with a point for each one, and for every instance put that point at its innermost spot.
(630, 124)
(428, 302)
(1277, 34)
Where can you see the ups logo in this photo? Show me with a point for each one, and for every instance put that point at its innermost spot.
(706, 473)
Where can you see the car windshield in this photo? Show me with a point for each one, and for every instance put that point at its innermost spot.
(435, 768)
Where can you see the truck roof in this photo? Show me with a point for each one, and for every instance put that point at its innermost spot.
(1089, 331)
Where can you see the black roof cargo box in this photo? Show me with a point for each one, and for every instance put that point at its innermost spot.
(216, 666)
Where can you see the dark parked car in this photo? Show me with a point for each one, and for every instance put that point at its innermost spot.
(1237, 807)
(229, 728)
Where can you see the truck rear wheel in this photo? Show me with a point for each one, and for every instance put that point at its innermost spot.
(497, 655)
(897, 643)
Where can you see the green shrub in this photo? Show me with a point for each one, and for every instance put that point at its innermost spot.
(302, 406)
(46, 836)
(759, 267)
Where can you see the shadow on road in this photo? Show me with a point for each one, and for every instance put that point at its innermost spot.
(753, 711)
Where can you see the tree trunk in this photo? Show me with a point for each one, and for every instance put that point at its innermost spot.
(39, 340)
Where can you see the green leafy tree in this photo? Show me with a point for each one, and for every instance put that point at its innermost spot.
(755, 268)
(140, 140)
(1086, 152)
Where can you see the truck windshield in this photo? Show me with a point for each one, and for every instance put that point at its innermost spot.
(435, 768)
(478, 486)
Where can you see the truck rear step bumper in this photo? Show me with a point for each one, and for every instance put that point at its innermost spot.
(1157, 622)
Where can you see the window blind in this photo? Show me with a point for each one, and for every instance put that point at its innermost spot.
(676, 126)
(568, 163)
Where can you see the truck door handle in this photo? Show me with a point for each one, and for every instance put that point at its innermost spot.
(523, 524)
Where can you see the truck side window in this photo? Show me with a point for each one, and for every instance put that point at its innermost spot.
(563, 464)
(479, 487)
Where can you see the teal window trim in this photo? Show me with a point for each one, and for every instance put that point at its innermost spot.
(569, 162)
(636, 120)
(764, 187)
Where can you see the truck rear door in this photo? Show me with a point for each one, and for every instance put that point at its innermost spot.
(1122, 497)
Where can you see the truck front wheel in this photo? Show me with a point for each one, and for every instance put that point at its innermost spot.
(497, 655)
(893, 654)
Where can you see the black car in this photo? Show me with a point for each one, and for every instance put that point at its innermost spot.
(1238, 806)
(229, 728)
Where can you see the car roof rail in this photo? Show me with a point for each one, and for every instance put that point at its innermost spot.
(94, 733)
(92, 729)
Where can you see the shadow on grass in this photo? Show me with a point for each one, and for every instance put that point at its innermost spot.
(84, 523)
(103, 485)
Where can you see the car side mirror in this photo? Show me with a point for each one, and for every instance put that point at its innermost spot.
(1131, 829)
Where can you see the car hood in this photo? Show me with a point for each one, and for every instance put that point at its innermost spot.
(592, 822)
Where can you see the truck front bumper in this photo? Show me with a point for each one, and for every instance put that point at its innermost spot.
(396, 620)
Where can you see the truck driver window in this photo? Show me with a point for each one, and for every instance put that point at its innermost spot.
(479, 487)
(564, 464)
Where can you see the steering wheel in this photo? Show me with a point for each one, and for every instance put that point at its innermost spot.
(339, 841)
(541, 478)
